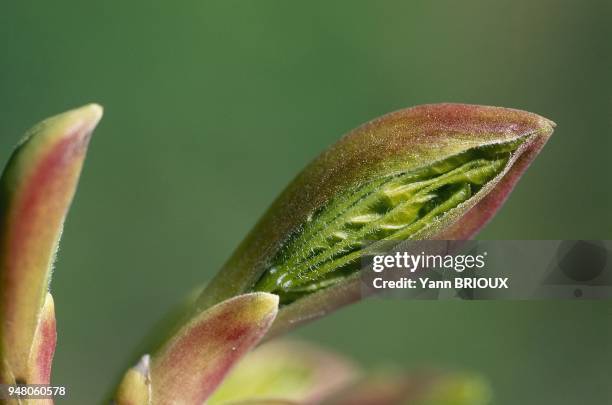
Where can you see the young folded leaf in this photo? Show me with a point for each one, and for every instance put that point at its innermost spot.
(194, 361)
(429, 172)
(36, 189)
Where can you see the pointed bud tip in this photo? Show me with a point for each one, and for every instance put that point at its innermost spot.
(77, 124)
(93, 112)
(86, 118)
(261, 306)
(545, 125)
(266, 301)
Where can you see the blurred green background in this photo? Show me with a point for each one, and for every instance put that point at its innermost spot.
(212, 107)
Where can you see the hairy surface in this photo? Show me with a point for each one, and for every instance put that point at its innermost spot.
(329, 246)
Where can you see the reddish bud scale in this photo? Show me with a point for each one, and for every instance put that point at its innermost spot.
(36, 190)
(191, 364)
(399, 142)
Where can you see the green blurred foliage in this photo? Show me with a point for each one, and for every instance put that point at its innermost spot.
(212, 107)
